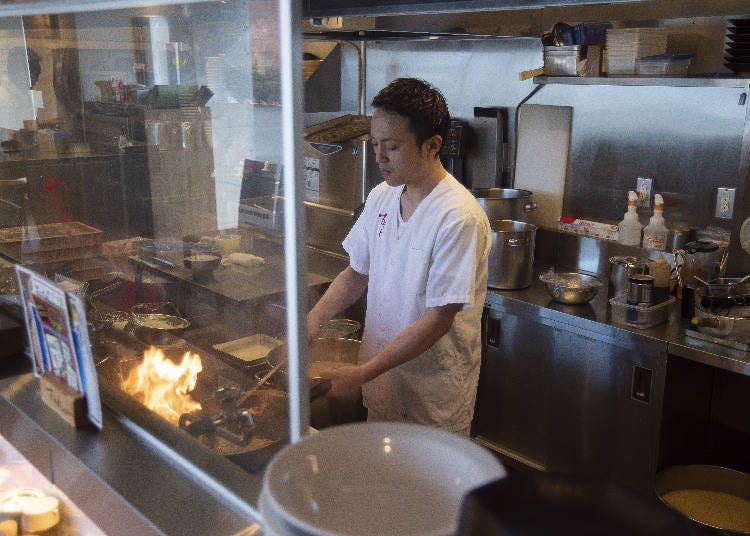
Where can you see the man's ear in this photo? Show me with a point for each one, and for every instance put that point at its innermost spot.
(434, 144)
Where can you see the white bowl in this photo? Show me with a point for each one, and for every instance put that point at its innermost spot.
(375, 478)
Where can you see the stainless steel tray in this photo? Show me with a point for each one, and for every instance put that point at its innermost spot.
(251, 349)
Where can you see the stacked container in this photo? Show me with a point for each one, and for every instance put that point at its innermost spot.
(625, 45)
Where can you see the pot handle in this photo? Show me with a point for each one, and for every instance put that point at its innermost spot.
(707, 321)
(528, 207)
(516, 242)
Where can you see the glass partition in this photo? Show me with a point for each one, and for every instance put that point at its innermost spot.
(148, 162)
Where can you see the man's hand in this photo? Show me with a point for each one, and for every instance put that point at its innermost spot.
(344, 380)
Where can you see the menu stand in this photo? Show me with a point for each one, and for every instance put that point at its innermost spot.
(66, 401)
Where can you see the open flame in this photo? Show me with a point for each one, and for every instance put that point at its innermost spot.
(164, 386)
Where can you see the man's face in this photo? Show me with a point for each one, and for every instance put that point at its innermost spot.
(397, 154)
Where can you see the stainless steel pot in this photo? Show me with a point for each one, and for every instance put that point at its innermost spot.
(734, 325)
(710, 495)
(620, 270)
(505, 203)
(511, 260)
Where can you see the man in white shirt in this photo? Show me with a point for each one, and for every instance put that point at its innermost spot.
(420, 250)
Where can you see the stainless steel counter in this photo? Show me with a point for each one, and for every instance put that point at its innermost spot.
(122, 479)
(596, 316)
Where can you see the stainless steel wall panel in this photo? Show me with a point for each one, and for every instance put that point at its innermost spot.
(688, 139)
(469, 72)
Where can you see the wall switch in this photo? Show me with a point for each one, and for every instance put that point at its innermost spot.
(643, 189)
(724, 203)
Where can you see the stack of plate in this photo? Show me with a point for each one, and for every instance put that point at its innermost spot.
(738, 47)
(364, 479)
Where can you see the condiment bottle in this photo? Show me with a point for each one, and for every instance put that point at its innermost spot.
(661, 271)
(630, 227)
(655, 233)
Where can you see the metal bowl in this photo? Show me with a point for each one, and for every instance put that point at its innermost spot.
(572, 288)
(202, 265)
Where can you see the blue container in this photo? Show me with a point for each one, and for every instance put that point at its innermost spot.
(591, 33)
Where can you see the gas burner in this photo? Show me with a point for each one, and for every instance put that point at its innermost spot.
(233, 424)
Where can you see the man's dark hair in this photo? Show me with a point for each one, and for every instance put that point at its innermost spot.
(423, 105)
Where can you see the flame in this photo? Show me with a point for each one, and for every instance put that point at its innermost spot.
(163, 386)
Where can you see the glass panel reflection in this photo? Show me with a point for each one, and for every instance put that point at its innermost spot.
(141, 156)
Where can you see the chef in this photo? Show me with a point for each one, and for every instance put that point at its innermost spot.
(419, 249)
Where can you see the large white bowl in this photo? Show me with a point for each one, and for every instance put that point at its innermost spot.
(375, 478)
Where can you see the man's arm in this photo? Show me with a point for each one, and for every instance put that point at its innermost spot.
(415, 339)
(343, 291)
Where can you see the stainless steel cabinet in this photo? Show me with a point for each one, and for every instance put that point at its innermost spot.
(571, 397)
(512, 399)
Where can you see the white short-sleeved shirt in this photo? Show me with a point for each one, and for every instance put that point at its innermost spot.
(437, 257)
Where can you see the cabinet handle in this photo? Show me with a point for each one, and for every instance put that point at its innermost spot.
(640, 388)
(492, 333)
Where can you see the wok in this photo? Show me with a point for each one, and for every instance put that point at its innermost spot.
(324, 353)
(158, 323)
(328, 352)
(731, 323)
(731, 288)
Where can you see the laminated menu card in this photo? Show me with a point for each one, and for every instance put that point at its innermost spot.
(61, 351)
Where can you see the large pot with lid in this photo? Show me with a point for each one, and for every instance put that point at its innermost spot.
(505, 203)
(511, 259)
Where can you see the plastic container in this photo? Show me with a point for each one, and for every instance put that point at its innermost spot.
(663, 65)
(655, 233)
(630, 228)
(661, 271)
(638, 316)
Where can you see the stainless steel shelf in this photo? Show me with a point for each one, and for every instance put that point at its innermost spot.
(643, 81)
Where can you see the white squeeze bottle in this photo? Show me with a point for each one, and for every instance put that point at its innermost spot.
(655, 233)
(630, 227)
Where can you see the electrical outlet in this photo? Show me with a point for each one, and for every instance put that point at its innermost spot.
(643, 189)
(724, 203)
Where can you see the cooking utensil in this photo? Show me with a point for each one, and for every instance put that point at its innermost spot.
(620, 270)
(202, 266)
(158, 323)
(732, 323)
(700, 260)
(539, 502)
(505, 203)
(572, 288)
(511, 259)
(277, 360)
(249, 394)
(710, 495)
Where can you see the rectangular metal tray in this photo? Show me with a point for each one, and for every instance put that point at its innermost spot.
(251, 349)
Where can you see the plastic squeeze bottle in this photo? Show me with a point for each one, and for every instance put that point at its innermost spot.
(630, 227)
(655, 233)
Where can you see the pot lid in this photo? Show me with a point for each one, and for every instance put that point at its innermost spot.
(701, 246)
